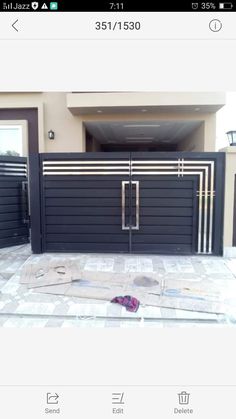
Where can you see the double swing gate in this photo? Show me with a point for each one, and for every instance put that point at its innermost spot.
(132, 202)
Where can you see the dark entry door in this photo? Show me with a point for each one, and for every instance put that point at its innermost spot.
(14, 226)
(82, 202)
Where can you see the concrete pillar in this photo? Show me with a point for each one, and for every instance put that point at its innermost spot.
(230, 172)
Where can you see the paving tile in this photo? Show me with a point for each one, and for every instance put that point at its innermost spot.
(92, 310)
(54, 323)
(32, 308)
(10, 307)
(3, 319)
(61, 309)
(99, 264)
(22, 323)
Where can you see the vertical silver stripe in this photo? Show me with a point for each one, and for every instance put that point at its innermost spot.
(136, 183)
(206, 175)
(200, 214)
(211, 206)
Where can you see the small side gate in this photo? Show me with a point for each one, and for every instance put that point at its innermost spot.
(14, 227)
(133, 202)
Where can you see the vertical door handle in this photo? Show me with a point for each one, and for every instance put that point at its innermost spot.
(123, 204)
(137, 205)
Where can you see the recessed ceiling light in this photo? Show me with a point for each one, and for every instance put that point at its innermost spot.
(139, 141)
(197, 109)
(141, 126)
(99, 111)
(144, 110)
(139, 138)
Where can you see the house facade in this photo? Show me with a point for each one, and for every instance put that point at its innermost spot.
(156, 149)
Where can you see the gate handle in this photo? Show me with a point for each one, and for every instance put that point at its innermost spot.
(137, 204)
(124, 183)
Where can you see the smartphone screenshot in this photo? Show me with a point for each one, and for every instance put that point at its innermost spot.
(117, 210)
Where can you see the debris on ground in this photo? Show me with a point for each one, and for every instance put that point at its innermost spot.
(130, 303)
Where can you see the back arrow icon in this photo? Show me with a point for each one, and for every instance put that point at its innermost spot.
(13, 25)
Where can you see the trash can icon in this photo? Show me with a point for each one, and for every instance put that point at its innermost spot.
(184, 397)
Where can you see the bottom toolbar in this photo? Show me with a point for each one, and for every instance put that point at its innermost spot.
(74, 402)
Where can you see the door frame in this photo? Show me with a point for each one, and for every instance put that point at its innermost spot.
(31, 116)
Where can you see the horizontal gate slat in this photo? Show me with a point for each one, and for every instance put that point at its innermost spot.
(83, 220)
(13, 241)
(10, 224)
(156, 221)
(11, 200)
(165, 193)
(87, 247)
(165, 184)
(148, 211)
(144, 211)
(83, 193)
(11, 216)
(8, 208)
(12, 232)
(159, 239)
(114, 202)
(116, 193)
(87, 238)
(166, 211)
(86, 202)
(91, 220)
(91, 178)
(9, 184)
(83, 184)
(166, 229)
(83, 211)
(9, 193)
(163, 248)
(166, 202)
(82, 229)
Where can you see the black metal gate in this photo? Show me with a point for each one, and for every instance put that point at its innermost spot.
(14, 227)
(139, 202)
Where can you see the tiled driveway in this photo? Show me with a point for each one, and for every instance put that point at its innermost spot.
(20, 307)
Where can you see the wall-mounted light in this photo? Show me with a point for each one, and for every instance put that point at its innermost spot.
(51, 135)
(231, 137)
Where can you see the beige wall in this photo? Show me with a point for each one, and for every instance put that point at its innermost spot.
(53, 114)
(70, 131)
(142, 99)
(229, 195)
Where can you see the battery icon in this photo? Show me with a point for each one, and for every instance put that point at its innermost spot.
(226, 6)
